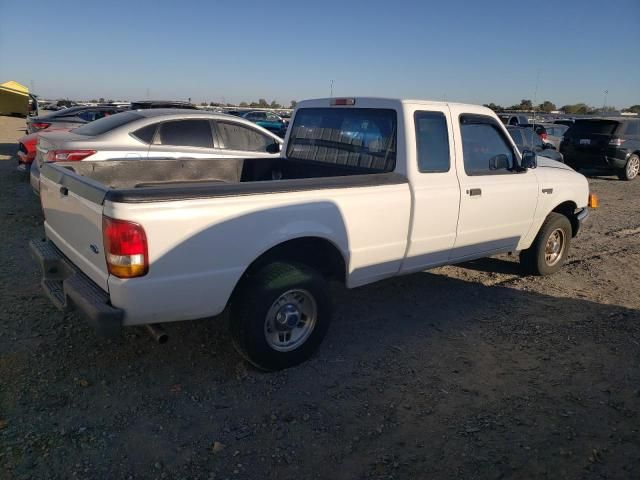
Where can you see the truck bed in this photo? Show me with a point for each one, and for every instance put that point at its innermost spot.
(138, 181)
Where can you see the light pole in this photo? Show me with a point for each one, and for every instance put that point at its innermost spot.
(331, 88)
(604, 105)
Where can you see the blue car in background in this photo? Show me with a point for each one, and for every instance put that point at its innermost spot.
(272, 122)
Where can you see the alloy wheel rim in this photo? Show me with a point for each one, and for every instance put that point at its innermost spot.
(633, 167)
(290, 320)
(554, 248)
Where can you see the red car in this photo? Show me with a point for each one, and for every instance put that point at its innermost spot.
(27, 149)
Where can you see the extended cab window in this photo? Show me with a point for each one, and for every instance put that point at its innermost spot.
(187, 133)
(485, 150)
(358, 137)
(432, 142)
(239, 137)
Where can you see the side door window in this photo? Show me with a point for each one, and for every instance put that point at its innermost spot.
(432, 142)
(186, 133)
(234, 136)
(485, 150)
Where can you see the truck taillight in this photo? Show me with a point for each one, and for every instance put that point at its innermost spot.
(68, 155)
(543, 135)
(40, 125)
(125, 248)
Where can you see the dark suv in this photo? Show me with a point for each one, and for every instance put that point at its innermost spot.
(604, 143)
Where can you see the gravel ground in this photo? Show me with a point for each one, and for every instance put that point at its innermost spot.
(471, 371)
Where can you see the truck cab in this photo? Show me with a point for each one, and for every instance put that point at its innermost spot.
(365, 189)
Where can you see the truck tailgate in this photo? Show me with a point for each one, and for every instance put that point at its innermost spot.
(74, 224)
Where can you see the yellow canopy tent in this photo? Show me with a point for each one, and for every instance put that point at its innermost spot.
(14, 99)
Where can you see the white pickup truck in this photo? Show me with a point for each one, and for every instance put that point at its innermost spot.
(365, 189)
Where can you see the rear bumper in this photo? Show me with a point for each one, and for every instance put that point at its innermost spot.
(69, 289)
(605, 158)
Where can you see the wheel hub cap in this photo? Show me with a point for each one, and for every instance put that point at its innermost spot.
(555, 247)
(288, 317)
(290, 320)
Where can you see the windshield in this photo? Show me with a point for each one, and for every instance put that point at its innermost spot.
(359, 137)
(106, 124)
(590, 127)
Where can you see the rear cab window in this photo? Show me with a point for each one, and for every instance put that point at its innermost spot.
(356, 137)
(432, 142)
(106, 124)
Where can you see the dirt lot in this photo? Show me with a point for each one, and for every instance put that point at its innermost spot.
(462, 372)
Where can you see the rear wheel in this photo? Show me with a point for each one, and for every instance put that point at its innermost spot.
(280, 315)
(631, 169)
(550, 248)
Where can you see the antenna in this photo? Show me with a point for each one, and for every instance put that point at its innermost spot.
(535, 99)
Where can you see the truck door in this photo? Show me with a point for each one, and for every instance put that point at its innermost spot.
(435, 188)
(497, 203)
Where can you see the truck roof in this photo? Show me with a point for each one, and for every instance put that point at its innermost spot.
(382, 101)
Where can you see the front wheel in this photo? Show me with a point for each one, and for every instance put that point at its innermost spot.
(280, 315)
(550, 248)
(631, 169)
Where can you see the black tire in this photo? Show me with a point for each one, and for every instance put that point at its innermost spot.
(630, 170)
(534, 260)
(255, 298)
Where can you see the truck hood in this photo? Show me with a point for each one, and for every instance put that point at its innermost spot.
(547, 162)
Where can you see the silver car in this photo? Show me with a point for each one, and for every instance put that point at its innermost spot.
(156, 133)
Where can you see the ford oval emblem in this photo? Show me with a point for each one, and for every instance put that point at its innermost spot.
(94, 248)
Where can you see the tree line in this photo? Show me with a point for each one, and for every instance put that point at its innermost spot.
(261, 103)
(548, 106)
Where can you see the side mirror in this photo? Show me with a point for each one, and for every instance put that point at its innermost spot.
(499, 162)
(529, 160)
(273, 147)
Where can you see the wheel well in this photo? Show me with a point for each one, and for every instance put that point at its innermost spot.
(568, 209)
(315, 252)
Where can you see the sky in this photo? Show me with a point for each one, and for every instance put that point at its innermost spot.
(565, 51)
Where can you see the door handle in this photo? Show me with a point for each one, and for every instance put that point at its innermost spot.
(475, 192)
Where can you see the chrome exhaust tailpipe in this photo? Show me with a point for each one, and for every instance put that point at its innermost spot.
(157, 333)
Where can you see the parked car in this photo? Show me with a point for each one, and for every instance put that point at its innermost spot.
(160, 133)
(551, 133)
(527, 139)
(272, 122)
(69, 118)
(513, 119)
(145, 104)
(609, 144)
(139, 243)
(27, 150)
